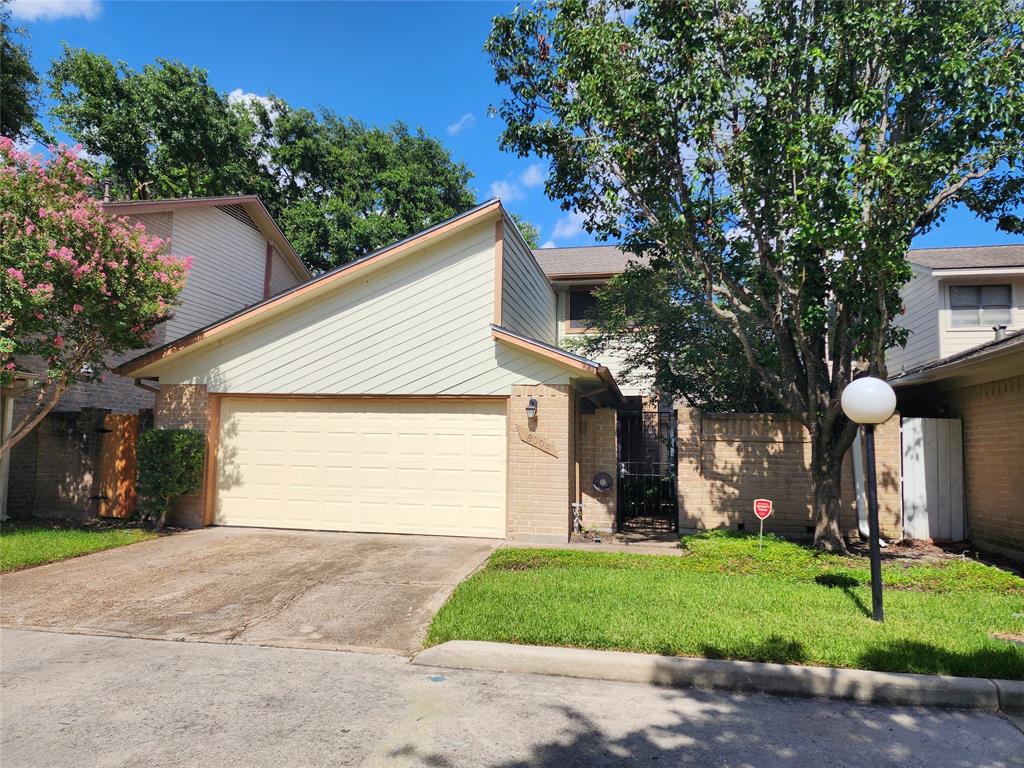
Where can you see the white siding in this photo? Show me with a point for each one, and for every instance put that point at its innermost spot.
(281, 275)
(613, 360)
(417, 326)
(228, 261)
(960, 339)
(527, 298)
(921, 318)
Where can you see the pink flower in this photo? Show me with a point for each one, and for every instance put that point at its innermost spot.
(58, 341)
(77, 308)
(17, 274)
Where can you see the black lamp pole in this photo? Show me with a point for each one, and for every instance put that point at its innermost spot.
(876, 551)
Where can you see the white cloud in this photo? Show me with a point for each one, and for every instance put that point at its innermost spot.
(533, 176)
(506, 190)
(569, 226)
(461, 124)
(49, 10)
(548, 244)
(238, 96)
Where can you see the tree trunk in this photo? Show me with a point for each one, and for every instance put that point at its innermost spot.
(45, 403)
(826, 476)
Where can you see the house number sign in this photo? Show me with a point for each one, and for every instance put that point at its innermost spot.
(541, 443)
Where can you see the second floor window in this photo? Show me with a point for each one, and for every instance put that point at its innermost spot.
(984, 305)
(581, 307)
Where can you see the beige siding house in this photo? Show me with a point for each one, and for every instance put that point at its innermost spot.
(955, 298)
(416, 390)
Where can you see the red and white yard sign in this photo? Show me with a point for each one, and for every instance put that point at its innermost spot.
(762, 508)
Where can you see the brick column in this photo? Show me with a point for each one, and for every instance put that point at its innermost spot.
(185, 406)
(539, 484)
(597, 453)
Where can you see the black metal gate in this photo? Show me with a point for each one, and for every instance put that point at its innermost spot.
(647, 471)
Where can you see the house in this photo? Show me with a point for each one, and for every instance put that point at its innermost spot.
(978, 396)
(424, 389)
(239, 256)
(955, 298)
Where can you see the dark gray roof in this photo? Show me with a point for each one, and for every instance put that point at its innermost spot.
(584, 260)
(980, 256)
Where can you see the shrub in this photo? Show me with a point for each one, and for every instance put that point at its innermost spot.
(170, 465)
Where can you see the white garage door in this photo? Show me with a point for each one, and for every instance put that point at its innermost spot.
(391, 466)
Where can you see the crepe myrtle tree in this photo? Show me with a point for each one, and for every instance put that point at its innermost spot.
(77, 284)
(774, 160)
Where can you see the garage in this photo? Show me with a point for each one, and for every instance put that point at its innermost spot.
(386, 465)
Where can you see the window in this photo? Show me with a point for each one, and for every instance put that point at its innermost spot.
(581, 307)
(985, 305)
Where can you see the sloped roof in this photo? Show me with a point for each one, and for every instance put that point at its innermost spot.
(948, 367)
(979, 257)
(584, 261)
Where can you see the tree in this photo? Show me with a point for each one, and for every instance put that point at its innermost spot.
(170, 465)
(339, 188)
(527, 230)
(774, 160)
(77, 284)
(165, 131)
(347, 189)
(19, 83)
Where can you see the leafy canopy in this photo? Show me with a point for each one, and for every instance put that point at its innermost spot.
(19, 83)
(170, 465)
(339, 188)
(77, 284)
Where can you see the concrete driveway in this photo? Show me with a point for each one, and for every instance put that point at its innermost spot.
(257, 587)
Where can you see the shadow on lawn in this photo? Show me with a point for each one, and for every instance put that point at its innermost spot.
(775, 649)
(846, 583)
(925, 658)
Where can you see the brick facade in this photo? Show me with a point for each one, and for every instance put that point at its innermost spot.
(184, 406)
(540, 486)
(993, 432)
(596, 452)
(726, 461)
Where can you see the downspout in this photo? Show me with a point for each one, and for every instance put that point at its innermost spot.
(861, 489)
(6, 425)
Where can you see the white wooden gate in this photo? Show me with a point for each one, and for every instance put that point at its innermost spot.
(933, 479)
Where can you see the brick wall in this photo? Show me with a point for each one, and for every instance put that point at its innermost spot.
(184, 406)
(540, 485)
(727, 461)
(993, 429)
(596, 453)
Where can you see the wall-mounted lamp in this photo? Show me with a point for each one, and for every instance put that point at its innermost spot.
(531, 408)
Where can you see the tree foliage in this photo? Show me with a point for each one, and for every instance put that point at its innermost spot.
(19, 83)
(527, 230)
(77, 284)
(774, 160)
(340, 189)
(170, 465)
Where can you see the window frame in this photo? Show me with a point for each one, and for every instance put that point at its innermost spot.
(980, 307)
(578, 326)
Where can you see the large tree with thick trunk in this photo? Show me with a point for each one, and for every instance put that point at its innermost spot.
(774, 161)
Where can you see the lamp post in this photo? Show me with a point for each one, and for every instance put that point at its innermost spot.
(868, 401)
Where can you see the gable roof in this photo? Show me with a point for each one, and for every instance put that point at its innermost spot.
(584, 261)
(1007, 352)
(252, 205)
(978, 257)
(311, 287)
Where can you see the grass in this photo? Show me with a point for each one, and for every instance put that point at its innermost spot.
(26, 544)
(725, 599)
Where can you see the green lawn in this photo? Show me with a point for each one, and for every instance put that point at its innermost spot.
(725, 599)
(26, 544)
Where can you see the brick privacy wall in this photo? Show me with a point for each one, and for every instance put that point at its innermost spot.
(540, 485)
(727, 461)
(55, 469)
(184, 406)
(596, 453)
(993, 429)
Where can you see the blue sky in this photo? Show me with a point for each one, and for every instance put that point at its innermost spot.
(421, 63)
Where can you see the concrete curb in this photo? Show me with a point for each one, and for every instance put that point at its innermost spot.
(747, 676)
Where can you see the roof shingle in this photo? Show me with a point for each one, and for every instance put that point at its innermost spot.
(980, 256)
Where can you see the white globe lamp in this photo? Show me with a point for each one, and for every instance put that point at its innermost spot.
(870, 401)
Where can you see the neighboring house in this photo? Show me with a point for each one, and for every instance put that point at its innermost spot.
(975, 397)
(955, 298)
(239, 256)
(422, 389)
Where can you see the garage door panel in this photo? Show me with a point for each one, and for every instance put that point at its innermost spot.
(416, 466)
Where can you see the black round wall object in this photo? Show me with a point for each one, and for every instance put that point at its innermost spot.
(602, 482)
